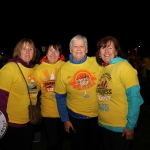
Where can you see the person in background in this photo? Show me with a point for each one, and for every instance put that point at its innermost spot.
(46, 76)
(137, 66)
(118, 95)
(14, 98)
(147, 64)
(75, 89)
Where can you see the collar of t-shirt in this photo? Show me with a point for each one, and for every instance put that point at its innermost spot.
(77, 61)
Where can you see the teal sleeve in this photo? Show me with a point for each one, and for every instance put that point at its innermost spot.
(135, 100)
(62, 108)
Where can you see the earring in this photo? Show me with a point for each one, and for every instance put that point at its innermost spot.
(100, 57)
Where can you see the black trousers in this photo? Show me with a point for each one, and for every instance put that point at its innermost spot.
(17, 138)
(54, 131)
(114, 140)
(85, 135)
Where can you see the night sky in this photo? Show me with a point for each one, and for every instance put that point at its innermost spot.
(44, 22)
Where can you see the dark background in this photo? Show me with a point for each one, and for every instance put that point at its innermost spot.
(57, 20)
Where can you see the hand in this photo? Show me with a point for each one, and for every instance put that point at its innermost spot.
(67, 126)
(128, 133)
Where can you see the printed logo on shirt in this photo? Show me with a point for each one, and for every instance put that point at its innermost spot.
(32, 86)
(103, 89)
(48, 81)
(103, 107)
(83, 80)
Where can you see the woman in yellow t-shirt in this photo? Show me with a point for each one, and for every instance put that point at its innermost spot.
(14, 97)
(75, 89)
(118, 95)
(46, 76)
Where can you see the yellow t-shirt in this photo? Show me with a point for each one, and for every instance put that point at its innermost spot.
(12, 81)
(111, 93)
(79, 82)
(46, 76)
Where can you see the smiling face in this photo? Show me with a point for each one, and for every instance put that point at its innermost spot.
(26, 53)
(53, 55)
(108, 52)
(78, 49)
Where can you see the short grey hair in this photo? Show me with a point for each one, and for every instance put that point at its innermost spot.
(79, 37)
